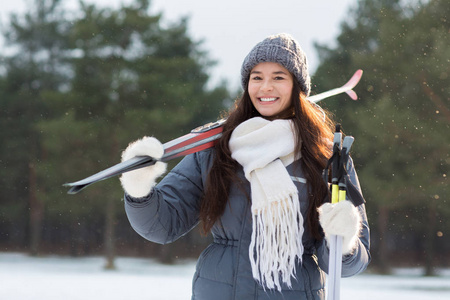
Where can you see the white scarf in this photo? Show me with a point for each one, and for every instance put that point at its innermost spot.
(264, 149)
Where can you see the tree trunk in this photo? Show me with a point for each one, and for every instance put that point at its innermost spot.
(110, 252)
(36, 212)
(166, 254)
(429, 239)
(383, 261)
(110, 219)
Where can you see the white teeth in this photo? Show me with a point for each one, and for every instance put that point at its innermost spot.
(267, 99)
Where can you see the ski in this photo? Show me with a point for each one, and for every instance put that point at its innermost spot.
(346, 88)
(198, 139)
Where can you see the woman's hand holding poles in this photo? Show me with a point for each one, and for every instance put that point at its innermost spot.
(341, 219)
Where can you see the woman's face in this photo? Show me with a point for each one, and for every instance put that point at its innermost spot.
(270, 88)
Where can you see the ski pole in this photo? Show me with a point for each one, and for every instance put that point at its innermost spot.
(335, 254)
(335, 164)
(339, 193)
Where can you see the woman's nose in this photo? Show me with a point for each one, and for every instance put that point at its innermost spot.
(267, 86)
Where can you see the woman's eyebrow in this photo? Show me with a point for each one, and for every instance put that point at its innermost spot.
(276, 72)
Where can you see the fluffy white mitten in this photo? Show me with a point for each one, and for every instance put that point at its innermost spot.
(342, 219)
(138, 183)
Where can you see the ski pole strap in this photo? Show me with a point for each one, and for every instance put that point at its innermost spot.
(353, 193)
(345, 154)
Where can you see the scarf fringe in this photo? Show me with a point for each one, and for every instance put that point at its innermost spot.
(276, 242)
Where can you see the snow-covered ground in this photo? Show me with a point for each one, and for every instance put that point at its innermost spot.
(49, 278)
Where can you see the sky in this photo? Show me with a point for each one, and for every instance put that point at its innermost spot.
(231, 28)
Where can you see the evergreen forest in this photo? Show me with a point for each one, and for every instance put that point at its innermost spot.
(77, 86)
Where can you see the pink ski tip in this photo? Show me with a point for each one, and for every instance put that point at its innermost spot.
(352, 94)
(354, 80)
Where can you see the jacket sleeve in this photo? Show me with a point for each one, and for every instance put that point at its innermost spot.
(172, 208)
(357, 261)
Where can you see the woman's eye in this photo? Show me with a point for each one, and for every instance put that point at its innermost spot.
(279, 78)
(256, 78)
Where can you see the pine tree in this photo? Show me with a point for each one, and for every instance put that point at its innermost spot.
(36, 67)
(401, 121)
(94, 80)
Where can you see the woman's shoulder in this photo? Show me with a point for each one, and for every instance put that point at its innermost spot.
(206, 153)
(205, 157)
(201, 159)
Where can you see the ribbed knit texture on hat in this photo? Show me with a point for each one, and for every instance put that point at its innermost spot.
(282, 49)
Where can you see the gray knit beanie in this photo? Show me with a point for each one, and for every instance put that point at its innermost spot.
(282, 49)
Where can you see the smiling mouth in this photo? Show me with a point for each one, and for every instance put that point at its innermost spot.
(267, 99)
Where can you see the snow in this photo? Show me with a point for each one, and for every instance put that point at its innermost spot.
(53, 277)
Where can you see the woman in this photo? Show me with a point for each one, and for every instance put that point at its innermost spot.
(259, 192)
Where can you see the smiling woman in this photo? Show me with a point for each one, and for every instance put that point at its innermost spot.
(269, 242)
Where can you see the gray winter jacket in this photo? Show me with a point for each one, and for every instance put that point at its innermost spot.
(223, 270)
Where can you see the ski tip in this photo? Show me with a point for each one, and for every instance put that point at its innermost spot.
(74, 188)
(357, 76)
(354, 80)
(352, 95)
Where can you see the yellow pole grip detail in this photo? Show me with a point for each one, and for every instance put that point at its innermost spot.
(342, 195)
(334, 193)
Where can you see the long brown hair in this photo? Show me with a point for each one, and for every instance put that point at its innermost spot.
(315, 131)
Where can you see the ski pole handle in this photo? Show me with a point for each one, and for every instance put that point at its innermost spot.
(335, 164)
